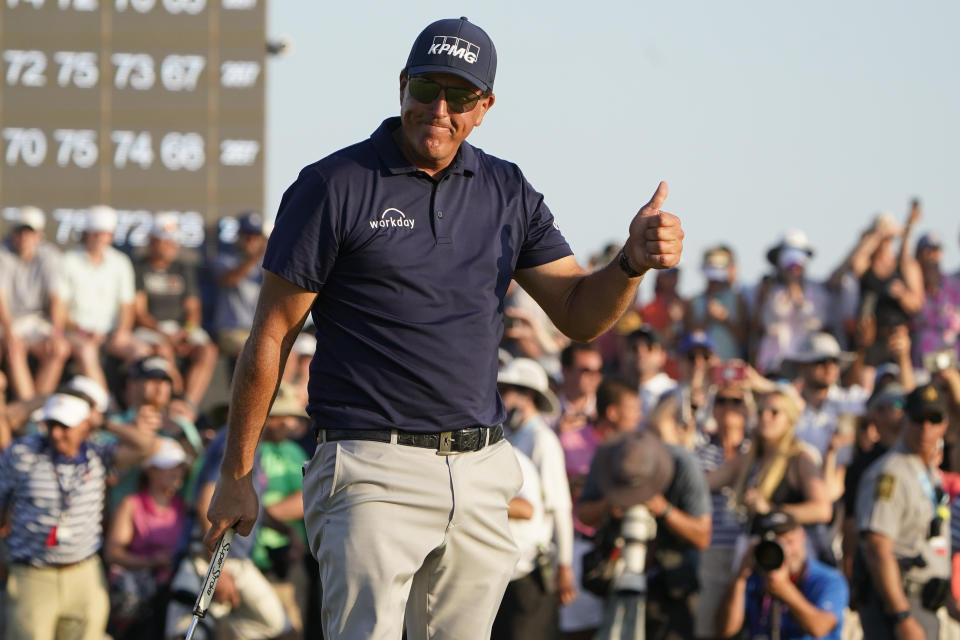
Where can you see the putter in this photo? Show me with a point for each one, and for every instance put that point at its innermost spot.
(210, 580)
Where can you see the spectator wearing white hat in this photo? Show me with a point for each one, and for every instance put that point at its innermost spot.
(33, 316)
(53, 486)
(100, 296)
(527, 397)
(789, 306)
(144, 534)
(168, 311)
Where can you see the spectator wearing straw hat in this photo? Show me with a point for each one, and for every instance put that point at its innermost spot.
(280, 550)
(53, 486)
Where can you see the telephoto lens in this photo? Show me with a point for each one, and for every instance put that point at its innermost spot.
(768, 554)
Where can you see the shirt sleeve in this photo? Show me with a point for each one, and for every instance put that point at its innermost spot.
(880, 503)
(690, 488)
(830, 594)
(191, 290)
(556, 495)
(305, 240)
(128, 289)
(53, 273)
(543, 242)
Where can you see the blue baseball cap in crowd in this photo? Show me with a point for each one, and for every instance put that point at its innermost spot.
(250, 222)
(455, 46)
(696, 340)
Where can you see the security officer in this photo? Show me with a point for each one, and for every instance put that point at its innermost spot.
(903, 520)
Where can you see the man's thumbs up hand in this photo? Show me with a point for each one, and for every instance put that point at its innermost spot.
(656, 237)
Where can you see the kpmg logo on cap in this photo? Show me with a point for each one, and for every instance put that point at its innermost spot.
(454, 46)
(392, 218)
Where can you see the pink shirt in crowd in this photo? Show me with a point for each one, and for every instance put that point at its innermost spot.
(156, 529)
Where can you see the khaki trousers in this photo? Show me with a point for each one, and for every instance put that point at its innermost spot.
(400, 530)
(69, 603)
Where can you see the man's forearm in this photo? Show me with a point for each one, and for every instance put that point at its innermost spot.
(596, 301)
(254, 386)
(695, 530)
(811, 618)
(732, 609)
(885, 572)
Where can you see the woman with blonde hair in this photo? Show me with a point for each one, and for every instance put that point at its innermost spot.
(778, 471)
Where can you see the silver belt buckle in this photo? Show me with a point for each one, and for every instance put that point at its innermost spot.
(446, 443)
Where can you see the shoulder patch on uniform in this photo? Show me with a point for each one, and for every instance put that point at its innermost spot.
(885, 486)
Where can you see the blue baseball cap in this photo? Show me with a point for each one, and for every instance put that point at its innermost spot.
(455, 46)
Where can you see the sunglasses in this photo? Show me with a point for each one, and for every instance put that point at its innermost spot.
(721, 401)
(824, 362)
(773, 411)
(458, 99)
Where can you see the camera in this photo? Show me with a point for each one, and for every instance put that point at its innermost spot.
(768, 555)
(940, 360)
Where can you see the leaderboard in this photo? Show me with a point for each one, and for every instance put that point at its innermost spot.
(145, 105)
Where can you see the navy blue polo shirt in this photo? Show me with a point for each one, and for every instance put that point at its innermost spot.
(410, 274)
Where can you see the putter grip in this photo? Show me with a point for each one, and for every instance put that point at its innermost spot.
(213, 573)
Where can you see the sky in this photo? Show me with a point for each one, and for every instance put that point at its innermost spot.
(761, 116)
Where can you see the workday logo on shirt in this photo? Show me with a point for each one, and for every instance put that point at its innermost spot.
(392, 218)
(454, 47)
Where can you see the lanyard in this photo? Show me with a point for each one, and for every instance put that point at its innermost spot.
(927, 485)
(79, 471)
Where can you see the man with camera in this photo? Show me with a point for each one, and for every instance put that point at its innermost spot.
(637, 469)
(903, 520)
(780, 592)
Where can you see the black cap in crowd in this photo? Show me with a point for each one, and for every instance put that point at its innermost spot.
(646, 333)
(455, 46)
(775, 522)
(926, 402)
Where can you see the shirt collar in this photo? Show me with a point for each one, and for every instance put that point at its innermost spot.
(394, 162)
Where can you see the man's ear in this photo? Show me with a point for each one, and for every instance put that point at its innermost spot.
(483, 107)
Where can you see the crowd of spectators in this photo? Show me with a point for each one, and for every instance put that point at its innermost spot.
(759, 405)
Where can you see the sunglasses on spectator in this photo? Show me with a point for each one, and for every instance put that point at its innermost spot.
(773, 411)
(731, 401)
(824, 361)
(698, 354)
(458, 99)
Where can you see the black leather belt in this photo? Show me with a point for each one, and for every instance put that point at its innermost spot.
(458, 441)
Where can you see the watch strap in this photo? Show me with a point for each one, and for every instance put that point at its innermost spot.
(625, 265)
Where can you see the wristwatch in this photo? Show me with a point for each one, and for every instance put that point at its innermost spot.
(625, 265)
(900, 616)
